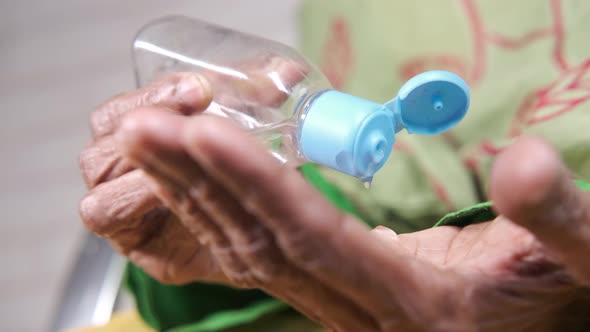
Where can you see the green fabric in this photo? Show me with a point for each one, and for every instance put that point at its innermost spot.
(470, 215)
(583, 185)
(482, 212)
(223, 320)
(201, 307)
(166, 306)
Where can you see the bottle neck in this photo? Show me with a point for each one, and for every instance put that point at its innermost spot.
(302, 109)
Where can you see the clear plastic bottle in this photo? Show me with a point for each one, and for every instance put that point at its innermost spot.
(273, 91)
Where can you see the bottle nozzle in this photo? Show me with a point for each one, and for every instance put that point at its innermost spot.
(437, 103)
(377, 149)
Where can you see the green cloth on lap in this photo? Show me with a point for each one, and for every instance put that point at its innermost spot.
(164, 307)
(474, 214)
(482, 212)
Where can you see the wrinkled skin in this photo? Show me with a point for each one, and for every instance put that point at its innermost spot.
(191, 197)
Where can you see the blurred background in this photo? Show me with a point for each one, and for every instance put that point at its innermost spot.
(58, 60)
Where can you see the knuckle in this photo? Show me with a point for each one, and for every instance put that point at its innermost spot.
(201, 191)
(195, 220)
(266, 272)
(297, 247)
(100, 162)
(91, 212)
(304, 245)
(171, 274)
(251, 241)
(86, 164)
(242, 278)
(159, 92)
(233, 268)
(102, 119)
(104, 214)
(265, 264)
(191, 214)
(166, 275)
(106, 116)
(255, 240)
(151, 96)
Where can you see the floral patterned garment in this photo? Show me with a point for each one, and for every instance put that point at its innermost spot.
(527, 63)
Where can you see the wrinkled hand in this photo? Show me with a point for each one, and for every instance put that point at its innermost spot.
(120, 205)
(230, 213)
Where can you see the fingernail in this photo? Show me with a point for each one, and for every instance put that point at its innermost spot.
(386, 236)
(194, 90)
(386, 232)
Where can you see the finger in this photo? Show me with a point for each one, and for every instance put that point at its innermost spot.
(150, 140)
(118, 205)
(172, 255)
(335, 248)
(181, 92)
(101, 162)
(245, 250)
(126, 211)
(153, 140)
(386, 235)
(271, 80)
(532, 187)
(139, 231)
(255, 246)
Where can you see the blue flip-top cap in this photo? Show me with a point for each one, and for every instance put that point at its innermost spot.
(431, 103)
(355, 136)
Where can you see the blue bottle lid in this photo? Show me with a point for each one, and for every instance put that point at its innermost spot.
(355, 136)
(431, 102)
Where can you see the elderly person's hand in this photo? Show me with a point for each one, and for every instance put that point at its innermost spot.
(194, 198)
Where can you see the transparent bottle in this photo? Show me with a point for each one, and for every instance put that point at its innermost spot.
(283, 99)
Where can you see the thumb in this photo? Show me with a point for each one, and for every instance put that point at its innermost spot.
(531, 186)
